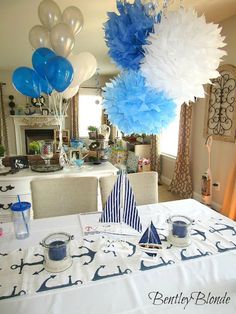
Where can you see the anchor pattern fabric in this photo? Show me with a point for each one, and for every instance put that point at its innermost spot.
(98, 257)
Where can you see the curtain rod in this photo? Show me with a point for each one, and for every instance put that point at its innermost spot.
(92, 87)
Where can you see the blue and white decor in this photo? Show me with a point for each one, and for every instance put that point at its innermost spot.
(121, 205)
(134, 107)
(22, 271)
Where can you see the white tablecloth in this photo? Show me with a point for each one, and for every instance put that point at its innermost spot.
(195, 279)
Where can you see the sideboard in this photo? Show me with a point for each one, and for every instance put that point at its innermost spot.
(16, 184)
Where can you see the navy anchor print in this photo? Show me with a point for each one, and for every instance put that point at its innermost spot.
(13, 294)
(185, 258)
(224, 228)
(90, 253)
(198, 232)
(22, 264)
(163, 263)
(224, 249)
(97, 276)
(44, 286)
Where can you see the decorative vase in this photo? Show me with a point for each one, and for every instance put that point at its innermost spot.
(47, 152)
(1, 164)
(92, 135)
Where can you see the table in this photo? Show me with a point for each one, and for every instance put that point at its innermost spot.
(201, 274)
(19, 184)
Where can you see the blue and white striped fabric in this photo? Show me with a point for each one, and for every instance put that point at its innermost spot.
(111, 212)
(130, 213)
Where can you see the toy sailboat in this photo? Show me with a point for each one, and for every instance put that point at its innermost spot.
(121, 205)
(150, 242)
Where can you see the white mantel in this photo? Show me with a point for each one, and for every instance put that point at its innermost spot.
(21, 123)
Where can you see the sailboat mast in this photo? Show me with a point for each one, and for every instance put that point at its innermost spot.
(122, 202)
(149, 233)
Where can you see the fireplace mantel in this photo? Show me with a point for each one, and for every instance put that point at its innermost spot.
(23, 122)
(37, 121)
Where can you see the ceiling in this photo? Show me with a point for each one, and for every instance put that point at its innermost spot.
(17, 17)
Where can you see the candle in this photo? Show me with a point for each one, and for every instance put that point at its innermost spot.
(57, 250)
(179, 229)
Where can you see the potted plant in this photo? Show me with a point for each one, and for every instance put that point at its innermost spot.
(2, 151)
(34, 147)
(92, 132)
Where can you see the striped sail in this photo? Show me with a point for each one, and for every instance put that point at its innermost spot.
(111, 212)
(130, 212)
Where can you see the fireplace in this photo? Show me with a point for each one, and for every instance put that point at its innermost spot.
(37, 135)
(27, 130)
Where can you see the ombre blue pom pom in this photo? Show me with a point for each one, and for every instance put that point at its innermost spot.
(134, 107)
(127, 32)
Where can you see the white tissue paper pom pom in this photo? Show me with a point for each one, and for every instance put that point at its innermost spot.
(182, 55)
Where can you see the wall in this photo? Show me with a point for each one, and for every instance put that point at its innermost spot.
(223, 153)
(8, 89)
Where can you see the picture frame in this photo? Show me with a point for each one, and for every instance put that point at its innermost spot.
(19, 162)
(45, 112)
(38, 102)
(74, 154)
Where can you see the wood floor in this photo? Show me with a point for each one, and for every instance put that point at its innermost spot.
(164, 195)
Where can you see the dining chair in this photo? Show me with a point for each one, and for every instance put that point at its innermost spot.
(144, 185)
(64, 196)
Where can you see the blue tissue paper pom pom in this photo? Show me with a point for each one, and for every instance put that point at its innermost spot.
(134, 107)
(125, 34)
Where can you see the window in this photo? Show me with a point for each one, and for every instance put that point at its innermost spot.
(90, 110)
(169, 137)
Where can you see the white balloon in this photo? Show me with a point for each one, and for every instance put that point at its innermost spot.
(74, 18)
(84, 65)
(70, 92)
(39, 37)
(49, 13)
(62, 39)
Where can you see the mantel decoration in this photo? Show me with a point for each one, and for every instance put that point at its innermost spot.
(176, 52)
(220, 116)
(56, 71)
(39, 121)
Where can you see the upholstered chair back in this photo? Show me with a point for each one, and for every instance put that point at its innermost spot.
(144, 185)
(64, 196)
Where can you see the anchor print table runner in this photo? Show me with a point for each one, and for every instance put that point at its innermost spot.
(94, 258)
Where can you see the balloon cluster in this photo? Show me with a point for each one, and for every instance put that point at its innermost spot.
(54, 66)
(180, 54)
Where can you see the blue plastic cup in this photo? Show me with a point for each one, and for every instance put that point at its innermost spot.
(21, 219)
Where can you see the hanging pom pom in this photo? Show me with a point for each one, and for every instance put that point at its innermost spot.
(126, 33)
(134, 107)
(182, 55)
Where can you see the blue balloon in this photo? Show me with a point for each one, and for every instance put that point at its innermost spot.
(26, 81)
(45, 86)
(40, 58)
(59, 73)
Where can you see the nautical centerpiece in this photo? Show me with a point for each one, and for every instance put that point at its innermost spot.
(150, 241)
(120, 210)
(120, 207)
(57, 256)
(179, 230)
